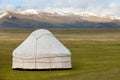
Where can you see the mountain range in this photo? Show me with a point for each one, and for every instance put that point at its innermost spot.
(44, 19)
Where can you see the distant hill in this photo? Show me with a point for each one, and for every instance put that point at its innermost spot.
(39, 19)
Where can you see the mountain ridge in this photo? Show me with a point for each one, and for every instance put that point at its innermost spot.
(38, 19)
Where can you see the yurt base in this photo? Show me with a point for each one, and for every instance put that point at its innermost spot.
(41, 69)
(55, 63)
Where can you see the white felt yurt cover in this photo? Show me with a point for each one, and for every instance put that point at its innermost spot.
(41, 50)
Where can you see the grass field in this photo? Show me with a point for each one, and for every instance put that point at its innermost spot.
(95, 55)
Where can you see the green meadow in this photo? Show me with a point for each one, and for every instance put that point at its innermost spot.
(95, 55)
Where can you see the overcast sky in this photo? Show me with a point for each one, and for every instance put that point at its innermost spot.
(104, 7)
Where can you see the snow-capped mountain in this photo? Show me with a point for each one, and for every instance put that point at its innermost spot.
(57, 13)
(37, 18)
(65, 13)
(5, 14)
(29, 11)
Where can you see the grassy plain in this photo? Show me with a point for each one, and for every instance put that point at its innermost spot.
(95, 55)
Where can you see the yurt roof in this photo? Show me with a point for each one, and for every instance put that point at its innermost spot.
(41, 43)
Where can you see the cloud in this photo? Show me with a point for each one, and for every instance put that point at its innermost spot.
(7, 7)
(93, 6)
(99, 7)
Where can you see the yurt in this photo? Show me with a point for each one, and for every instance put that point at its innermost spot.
(41, 50)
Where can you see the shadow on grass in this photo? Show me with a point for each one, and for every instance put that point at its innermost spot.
(59, 69)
